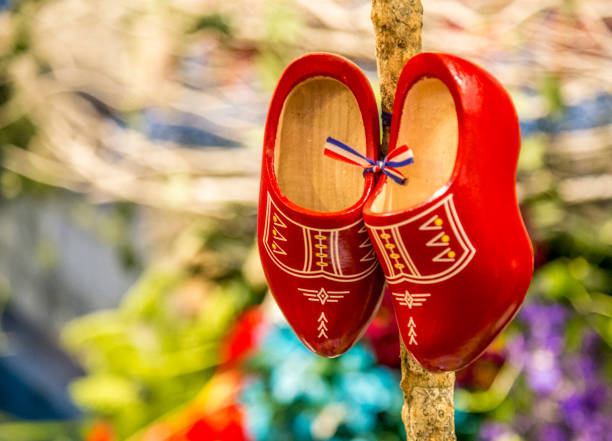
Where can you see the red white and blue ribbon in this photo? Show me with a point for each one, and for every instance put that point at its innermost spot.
(398, 157)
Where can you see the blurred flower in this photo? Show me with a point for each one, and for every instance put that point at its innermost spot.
(224, 425)
(543, 371)
(212, 415)
(100, 431)
(497, 432)
(545, 325)
(568, 396)
(579, 408)
(293, 394)
(244, 337)
(480, 374)
(551, 432)
(383, 333)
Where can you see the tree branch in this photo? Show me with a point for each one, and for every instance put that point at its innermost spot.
(428, 412)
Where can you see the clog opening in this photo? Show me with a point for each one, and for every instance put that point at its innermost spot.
(315, 109)
(429, 126)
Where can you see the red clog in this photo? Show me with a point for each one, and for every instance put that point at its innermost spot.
(314, 247)
(451, 242)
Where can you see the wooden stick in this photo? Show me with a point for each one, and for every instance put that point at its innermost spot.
(428, 412)
(397, 26)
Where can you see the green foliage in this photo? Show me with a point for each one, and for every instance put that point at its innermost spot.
(282, 28)
(18, 133)
(43, 431)
(216, 22)
(160, 347)
(550, 89)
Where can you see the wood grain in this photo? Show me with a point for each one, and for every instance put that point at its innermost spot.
(315, 109)
(429, 126)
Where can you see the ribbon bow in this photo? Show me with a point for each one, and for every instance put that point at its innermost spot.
(398, 157)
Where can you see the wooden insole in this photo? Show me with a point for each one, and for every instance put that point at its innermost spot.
(429, 126)
(315, 109)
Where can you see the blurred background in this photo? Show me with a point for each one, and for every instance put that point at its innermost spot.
(132, 303)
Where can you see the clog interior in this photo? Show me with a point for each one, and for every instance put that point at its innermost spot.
(429, 126)
(315, 109)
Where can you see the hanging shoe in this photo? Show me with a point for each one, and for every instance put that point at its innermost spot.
(451, 241)
(315, 250)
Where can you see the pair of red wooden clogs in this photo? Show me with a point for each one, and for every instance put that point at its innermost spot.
(437, 218)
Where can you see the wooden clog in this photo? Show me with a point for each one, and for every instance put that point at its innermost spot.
(314, 247)
(452, 244)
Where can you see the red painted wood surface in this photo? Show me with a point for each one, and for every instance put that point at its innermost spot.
(459, 264)
(320, 266)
